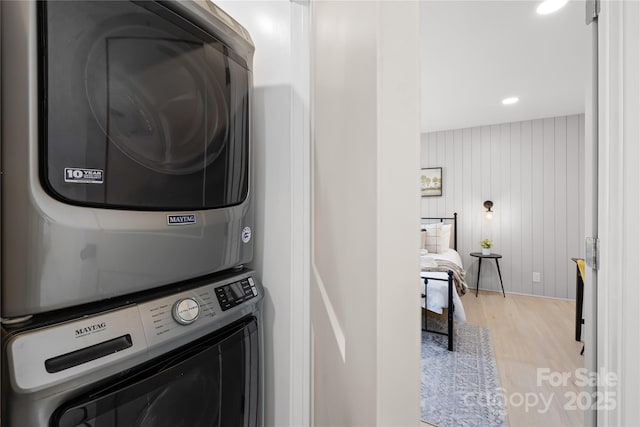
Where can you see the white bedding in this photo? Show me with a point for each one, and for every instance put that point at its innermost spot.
(448, 255)
(437, 290)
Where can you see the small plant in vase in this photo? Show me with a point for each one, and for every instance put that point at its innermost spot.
(486, 246)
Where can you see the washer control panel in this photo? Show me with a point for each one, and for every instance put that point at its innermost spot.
(182, 313)
(186, 311)
(236, 293)
(104, 342)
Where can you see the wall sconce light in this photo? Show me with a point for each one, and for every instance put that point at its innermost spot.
(488, 205)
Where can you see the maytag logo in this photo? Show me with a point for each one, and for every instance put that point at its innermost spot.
(97, 327)
(181, 219)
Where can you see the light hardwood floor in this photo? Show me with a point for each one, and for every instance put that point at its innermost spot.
(532, 337)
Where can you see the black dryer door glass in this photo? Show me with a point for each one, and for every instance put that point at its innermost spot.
(212, 383)
(142, 109)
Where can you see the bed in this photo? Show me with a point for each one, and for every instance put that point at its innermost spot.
(442, 275)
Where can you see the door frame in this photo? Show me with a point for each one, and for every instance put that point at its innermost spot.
(590, 307)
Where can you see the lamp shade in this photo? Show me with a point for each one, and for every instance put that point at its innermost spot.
(488, 204)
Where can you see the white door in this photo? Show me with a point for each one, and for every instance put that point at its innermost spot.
(618, 226)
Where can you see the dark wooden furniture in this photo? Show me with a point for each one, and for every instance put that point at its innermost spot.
(480, 257)
(579, 298)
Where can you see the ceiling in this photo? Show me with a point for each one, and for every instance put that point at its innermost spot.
(476, 53)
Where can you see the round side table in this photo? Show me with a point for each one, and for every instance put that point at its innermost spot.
(480, 258)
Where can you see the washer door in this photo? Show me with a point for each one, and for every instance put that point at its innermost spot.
(141, 109)
(212, 383)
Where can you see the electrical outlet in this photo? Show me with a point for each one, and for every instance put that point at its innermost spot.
(536, 276)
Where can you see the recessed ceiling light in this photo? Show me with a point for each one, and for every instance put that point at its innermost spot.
(550, 6)
(509, 101)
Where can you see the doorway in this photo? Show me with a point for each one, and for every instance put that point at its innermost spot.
(526, 157)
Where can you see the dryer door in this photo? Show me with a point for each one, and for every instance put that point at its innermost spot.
(211, 383)
(140, 109)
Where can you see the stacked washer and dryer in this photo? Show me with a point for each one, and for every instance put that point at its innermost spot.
(127, 216)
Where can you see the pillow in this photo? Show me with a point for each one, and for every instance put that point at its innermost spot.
(433, 237)
(423, 240)
(445, 238)
(436, 237)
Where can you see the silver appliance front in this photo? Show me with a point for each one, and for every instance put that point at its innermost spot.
(187, 358)
(125, 147)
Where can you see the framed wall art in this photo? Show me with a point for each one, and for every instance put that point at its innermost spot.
(431, 182)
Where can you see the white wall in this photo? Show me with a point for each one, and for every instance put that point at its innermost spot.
(364, 301)
(533, 171)
(279, 29)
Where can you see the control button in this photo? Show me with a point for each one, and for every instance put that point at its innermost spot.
(255, 291)
(186, 311)
(250, 279)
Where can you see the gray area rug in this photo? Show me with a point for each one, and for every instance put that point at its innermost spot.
(461, 387)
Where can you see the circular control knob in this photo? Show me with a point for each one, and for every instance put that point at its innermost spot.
(186, 311)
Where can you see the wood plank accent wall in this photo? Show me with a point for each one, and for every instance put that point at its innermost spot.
(533, 171)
